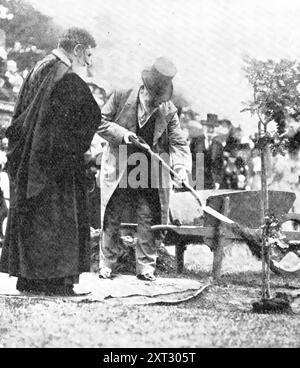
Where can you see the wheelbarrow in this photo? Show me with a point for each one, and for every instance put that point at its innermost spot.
(189, 224)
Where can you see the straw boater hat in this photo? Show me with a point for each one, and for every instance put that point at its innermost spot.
(158, 79)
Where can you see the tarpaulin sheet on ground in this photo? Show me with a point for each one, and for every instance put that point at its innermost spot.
(124, 288)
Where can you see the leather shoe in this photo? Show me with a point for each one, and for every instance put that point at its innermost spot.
(146, 277)
(105, 273)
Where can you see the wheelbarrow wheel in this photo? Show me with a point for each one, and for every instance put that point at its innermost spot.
(292, 251)
(274, 269)
(287, 270)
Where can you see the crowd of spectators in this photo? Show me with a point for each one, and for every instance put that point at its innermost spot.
(232, 160)
(226, 153)
(11, 79)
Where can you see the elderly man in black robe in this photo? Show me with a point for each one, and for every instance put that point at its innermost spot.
(46, 244)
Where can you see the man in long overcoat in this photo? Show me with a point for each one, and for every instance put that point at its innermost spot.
(47, 238)
(212, 158)
(147, 112)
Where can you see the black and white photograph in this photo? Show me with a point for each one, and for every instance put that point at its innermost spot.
(149, 176)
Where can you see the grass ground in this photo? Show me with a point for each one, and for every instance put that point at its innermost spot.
(220, 318)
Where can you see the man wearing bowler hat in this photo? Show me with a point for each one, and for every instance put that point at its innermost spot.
(146, 112)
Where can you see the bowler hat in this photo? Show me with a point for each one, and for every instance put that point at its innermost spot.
(158, 79)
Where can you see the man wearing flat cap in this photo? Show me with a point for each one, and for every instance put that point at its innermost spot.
(148, 113)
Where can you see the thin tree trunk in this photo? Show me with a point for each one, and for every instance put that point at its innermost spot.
(264, 214)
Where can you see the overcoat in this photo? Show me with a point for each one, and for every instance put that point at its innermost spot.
(55, 119)
(120, 115)
(213, 158)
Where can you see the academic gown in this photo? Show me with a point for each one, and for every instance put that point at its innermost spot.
(54, 122)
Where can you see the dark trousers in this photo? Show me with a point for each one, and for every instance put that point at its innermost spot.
(146, 206)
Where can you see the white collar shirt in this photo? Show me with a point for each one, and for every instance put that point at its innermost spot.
(62, 56)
